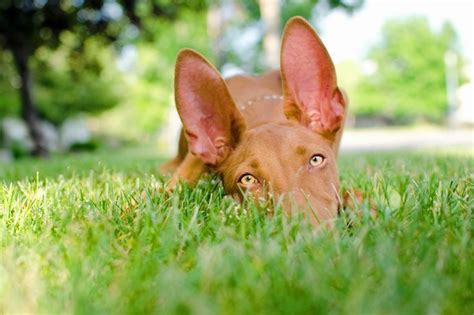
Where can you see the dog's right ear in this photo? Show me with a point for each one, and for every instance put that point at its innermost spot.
(212, 123)
(312, 96)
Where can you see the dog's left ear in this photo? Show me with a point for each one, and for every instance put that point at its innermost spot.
(212, 123)
(309, 80)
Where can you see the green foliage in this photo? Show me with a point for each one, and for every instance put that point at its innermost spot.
(409, 81)
(9, 83)
(71, 81)
(73, 78)
(73, 64)
(78, 237)
(68, 45)
(150, 80)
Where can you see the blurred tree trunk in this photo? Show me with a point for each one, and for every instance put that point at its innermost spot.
(270, 13)
(21, 55)
(214, 29)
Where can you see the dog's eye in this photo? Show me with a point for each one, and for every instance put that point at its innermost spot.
(316, 160)
(247, 180)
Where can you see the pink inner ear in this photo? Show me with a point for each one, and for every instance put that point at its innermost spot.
(309, 79)
(205, 107)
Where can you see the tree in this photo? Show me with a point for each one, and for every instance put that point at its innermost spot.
(408, 82)
(73, 78)
(27, 25)
(270, 16)
(149, 76)
(24, 27)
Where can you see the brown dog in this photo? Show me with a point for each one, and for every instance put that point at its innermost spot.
(278, 133)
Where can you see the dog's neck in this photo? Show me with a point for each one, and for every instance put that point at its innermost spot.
(259, 99)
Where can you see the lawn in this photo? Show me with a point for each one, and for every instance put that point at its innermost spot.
(78, 237)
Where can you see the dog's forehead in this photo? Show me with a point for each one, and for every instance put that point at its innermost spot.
(271, 137)
(275, 145)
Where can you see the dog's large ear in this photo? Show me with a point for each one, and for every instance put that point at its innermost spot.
(212, 123)
(309, 80)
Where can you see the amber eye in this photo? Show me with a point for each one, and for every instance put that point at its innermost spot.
(316, 160)
(247, 180)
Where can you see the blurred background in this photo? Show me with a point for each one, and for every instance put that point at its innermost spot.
(81, 75)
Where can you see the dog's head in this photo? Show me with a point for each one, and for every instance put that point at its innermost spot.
(294, 158)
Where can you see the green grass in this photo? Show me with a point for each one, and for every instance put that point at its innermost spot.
(76, 237)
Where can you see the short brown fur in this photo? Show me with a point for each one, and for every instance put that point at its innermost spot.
(242, 126)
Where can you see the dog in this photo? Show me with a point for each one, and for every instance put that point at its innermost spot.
(276, 134)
